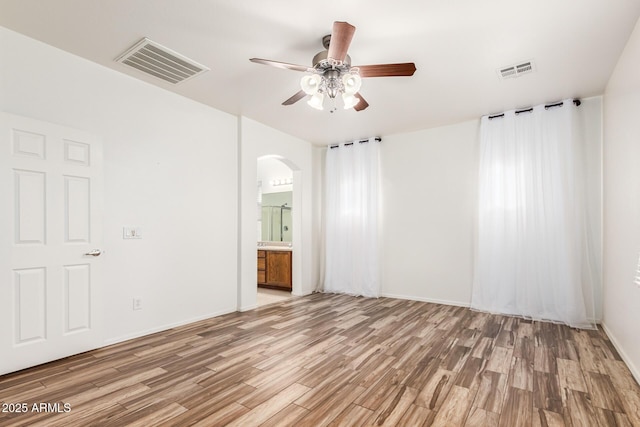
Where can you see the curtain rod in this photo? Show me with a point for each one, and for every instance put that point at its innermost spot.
(577, 103)
(362, 141)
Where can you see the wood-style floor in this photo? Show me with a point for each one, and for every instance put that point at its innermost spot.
(342, 361)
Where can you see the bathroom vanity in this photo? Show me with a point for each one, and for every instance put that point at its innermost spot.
(274, 267)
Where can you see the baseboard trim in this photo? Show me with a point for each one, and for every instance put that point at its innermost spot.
(301, 294)
(168, 326)
(625, 358)
(431, 300)
(248, 308)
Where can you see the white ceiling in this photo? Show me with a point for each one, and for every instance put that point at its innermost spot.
(456, 46)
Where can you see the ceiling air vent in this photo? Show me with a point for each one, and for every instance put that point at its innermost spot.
(516, 70)
(158, 61)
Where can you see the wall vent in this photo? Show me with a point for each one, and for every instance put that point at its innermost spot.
(516, 70)
(158, 61)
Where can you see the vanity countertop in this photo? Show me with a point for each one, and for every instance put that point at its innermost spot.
(274, 246)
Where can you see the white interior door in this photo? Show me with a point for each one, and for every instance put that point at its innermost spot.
(50, 221)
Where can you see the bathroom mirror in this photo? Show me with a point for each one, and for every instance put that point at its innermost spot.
(276, 224)
(275, 200)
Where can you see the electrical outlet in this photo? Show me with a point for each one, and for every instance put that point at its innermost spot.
(137, 303)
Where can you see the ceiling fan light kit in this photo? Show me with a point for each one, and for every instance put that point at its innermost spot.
(316, 100)
(332, 74)
(350, 101)
(310, 83)
(331, 83)
(352, 82)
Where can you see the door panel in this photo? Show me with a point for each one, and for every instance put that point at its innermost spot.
(28, 144)
(77, 299)
(30, 305)
(76, 152)
(77, 209)
(51, 186)
(30, 210)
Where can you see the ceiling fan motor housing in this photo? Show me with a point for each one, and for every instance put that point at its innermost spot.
(321, 62)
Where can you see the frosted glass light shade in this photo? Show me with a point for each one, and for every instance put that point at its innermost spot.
(352, 83)
(349, 100)
(316, 101)
(310, 83)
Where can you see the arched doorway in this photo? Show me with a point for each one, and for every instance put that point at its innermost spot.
(279, 216)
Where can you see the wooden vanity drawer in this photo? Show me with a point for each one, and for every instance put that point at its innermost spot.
(262, 267)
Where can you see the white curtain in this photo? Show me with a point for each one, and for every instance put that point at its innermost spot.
(351, 219)
(533, 244)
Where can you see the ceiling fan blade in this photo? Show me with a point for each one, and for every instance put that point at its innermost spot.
(283, 65)
(362, 104)
(340, 40)
(387, 70)
(295, 98)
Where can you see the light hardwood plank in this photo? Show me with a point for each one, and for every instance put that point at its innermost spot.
(521, 374)
(436, 389)
(545, 360)
(631, 402)
(394, 407)
(603, 393)
(353, 416)
(266, 410)
(455, 408)
(608, 418)
(517, 410)
(580, 409)
(417, 416)
(544, 418)
(546, 392)
(481, 418)
(500, 360)
(491, 392)
(571, 376)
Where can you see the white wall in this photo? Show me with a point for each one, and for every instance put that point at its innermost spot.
(590, 119)
(258, 140)
(318, 157)
(428, 183)
(622, 203)
(168, 163)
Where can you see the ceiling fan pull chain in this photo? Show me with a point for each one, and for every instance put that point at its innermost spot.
(333, 105)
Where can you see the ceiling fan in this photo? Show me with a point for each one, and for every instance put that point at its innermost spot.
(332, 74)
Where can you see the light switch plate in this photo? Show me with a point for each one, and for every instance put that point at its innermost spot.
(131, 233)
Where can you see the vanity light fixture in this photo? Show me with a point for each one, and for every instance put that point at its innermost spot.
(281, 181)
